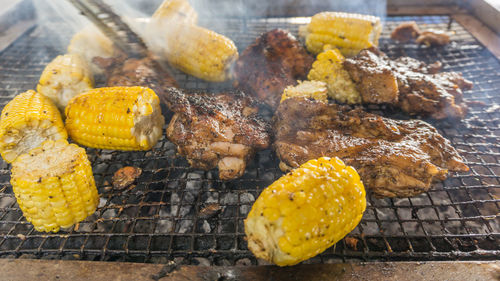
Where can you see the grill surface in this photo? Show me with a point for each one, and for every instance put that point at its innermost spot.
(160, 218)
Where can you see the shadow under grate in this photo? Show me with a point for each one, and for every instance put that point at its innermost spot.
(160, 219)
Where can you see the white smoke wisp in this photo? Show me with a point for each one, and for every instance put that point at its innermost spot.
(60, 19)
(220, 15)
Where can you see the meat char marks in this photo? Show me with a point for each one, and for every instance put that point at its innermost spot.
(394, 158)
(216, 130)
(415, 87)
(273, 62)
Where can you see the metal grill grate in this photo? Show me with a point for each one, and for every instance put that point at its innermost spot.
(160, 218)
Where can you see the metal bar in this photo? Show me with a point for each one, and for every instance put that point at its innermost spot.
(486, 12)
(404, 271)
(16, 17)
(113, 26)
(480, 31)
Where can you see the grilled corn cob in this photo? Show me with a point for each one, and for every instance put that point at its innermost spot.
(54, 185)
(27, 121)
(328, 68)
(192, 49)
(311, 89)
(89, 43)
(200, 52)
(176, 11)
(349, 32)
(121, 118)
(306, 211)
(65, 77)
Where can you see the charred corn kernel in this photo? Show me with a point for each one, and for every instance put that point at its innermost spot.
(306, 211)
(65, 77)
(329, 68)
(176, 11)
(349, 32)
(54, 185)
(121, 118)
(89, 43)
(27, 121)
(310, 89)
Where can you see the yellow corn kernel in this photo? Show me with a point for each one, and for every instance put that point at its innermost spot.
(309, 89)
(329, 68)
(313, 207)
(176, 11)
(195, 50)
(54, 185)
(65, 77)
(200, 52)
(348, 32)
(27, 121)
(121, 118)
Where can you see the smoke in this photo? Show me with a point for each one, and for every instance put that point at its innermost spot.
(62, 18)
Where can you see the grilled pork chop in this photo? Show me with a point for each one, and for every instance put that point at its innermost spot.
(413, 86)
(273, 62)
(393, 157)
(216, 130)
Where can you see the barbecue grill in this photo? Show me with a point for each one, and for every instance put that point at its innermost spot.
(163, 218)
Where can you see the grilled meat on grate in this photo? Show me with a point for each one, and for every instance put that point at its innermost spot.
(393, 157)
(405, 32)
(273, 62)
(216, 130)
(412, 85)
(135, 72)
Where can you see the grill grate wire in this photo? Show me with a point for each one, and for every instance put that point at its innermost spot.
(160, 219)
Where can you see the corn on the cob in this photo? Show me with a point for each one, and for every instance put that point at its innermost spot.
(89, 43)
(328, 68)
(311, 89)
(348, 32)
(195, 50)
(200, 52)
(54, 185)
(27, 121)
(65, 77)
(305, 212)
(121, 118)
(176, 11)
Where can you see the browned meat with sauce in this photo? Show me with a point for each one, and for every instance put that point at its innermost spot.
(216, 130)
(408, 31)
(433, 37)
(405, 32)
(393, 157)
(135, 72)
(273, 62)
(412, 85)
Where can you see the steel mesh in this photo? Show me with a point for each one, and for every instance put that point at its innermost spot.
(159, 219)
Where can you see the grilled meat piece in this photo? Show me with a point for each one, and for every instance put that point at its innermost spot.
(273, 62)
(408, 31)
(216, 130)
(122, 71)
(412, 85)
(433, 37)
(393, 157)
(405, 32)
